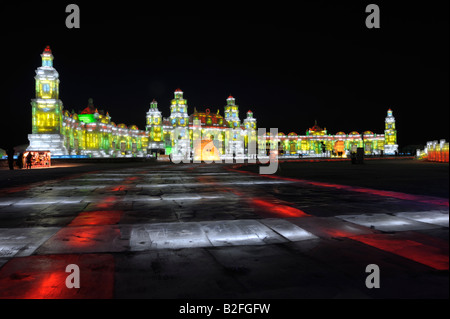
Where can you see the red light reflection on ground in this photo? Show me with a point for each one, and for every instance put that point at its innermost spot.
(127, 181)
(206, 180)
(132, 179)
(86, 237)
(16, 189)
(277, 209)
(119, 188)
(338, 233)
(107, 202)
(384, 193)
(435, 256)
(265, 206)
(44, 277)
(143, 172)
(92, 218)
(235, 192)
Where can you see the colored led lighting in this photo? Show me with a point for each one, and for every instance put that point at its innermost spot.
(92, 133)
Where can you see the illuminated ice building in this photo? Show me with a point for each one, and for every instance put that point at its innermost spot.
(201, 135)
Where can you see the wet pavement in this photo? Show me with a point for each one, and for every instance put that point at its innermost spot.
(211, 231)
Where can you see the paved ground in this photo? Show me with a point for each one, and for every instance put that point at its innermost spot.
(208, 231)
(396, 174)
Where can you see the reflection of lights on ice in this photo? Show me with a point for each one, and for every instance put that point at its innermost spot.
(215, 233)
(94, 199)
(206, 184)
(400, 221)
(36, 203)
(435, 217)
(433, 220)
(393, 223)
(98, 179)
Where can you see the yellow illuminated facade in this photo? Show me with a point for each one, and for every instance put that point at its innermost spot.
(390, 131)
(91, 132)
(46, 107)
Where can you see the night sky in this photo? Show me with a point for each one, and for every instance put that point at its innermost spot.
(290, 63)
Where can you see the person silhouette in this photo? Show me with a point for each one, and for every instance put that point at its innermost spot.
(10, 153)
(20, 160)
(29, 157)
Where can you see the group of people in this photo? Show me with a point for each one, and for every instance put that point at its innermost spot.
(19, 161)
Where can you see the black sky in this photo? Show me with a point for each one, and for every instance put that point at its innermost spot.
(290, 63)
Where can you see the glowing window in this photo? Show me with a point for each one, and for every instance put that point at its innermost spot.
(46, 87)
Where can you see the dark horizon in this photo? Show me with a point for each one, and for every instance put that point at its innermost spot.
(290, 69)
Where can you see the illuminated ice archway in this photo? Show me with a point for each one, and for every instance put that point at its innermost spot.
(207, 152)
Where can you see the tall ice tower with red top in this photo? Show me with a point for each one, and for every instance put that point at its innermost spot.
(232, 113)
(47, 109)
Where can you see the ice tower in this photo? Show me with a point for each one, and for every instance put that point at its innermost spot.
(47, 110)
(390, 135)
